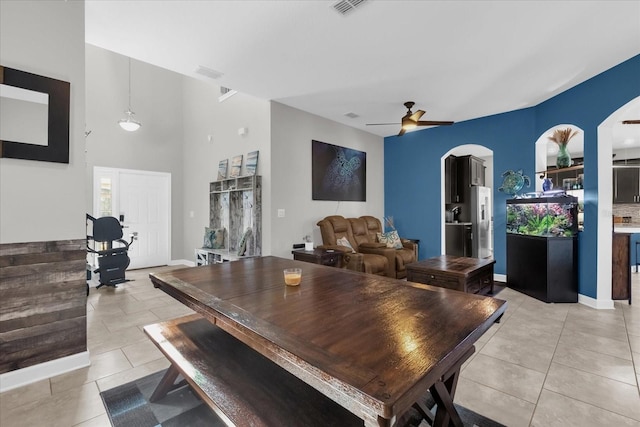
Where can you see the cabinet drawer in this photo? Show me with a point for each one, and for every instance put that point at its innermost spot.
(332, 260)
(442, 280)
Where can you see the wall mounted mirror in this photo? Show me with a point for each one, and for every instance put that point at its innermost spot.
(34, 116)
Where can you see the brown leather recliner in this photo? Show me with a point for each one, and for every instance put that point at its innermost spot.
(406, 255)
(369, 257)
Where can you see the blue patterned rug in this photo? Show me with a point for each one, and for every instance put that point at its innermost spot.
(128, 406)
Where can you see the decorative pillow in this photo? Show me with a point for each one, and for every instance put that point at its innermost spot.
(391, 239)
(242, 246)
(213, 238)
(343, 241)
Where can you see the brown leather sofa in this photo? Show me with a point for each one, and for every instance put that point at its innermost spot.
(403, 256)
(369, 256)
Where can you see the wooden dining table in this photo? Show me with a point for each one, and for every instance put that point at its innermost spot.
(374, 345)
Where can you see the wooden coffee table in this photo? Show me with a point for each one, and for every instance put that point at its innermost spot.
(471, 275)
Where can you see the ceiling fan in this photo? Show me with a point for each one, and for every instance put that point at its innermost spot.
(412, 120)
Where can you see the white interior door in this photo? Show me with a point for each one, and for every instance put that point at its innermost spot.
(140, 200)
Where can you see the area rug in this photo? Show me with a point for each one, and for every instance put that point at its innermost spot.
(128, 406)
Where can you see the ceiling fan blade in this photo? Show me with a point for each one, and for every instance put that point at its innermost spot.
(402, 131)
(416, 116)
(631, 122)
(433, 123)
(381, 124)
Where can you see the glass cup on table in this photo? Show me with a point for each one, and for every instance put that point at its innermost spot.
(292, 276)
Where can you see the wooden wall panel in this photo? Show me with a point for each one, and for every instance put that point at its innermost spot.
(43, 302)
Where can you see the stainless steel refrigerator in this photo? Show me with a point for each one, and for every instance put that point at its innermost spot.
(482, 221)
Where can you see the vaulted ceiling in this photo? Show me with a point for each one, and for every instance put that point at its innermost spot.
(457, 60)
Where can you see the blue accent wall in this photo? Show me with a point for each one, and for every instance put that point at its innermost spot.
(413, 162)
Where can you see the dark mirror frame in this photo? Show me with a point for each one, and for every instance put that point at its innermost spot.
(57, 149)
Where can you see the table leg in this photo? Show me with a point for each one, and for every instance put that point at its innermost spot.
(384, 422)
(446, 411)
(443, 392)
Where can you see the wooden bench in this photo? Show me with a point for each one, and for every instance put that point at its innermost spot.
(240, 385)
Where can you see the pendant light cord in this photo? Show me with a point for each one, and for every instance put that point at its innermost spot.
(129, 83)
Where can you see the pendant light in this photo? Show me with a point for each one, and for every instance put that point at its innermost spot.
(129, 123)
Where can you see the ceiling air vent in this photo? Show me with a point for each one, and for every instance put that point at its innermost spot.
(209, 72)
(346, 6)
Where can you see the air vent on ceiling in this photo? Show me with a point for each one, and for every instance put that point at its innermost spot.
(209, 72)
(346, 6)
(352, 115)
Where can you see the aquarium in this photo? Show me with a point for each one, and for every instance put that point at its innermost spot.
(543, 216)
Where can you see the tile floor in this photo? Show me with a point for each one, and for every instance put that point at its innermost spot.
(543, 365)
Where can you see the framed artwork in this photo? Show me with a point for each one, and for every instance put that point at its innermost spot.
(252, 163)
(222, 169)
(338, 173)
(24, 92)
(236, 166)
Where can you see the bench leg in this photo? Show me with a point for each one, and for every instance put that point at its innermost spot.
(167, 383)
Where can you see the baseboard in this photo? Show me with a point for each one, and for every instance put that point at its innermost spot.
(52, 368)
(595, 303)
(182, 262)
(582, 299)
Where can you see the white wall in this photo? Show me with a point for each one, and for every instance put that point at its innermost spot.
(203, 115)
(291, 133)
(156, 99)
(41, 201)
(178, 115)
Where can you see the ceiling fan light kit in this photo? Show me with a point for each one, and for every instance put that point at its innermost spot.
(412, 120)
(408, 124)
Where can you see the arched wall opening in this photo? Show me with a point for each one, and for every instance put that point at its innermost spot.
(476, 150)
(612, 136)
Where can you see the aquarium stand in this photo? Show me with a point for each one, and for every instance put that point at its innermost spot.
(543, 267)
(542, 247)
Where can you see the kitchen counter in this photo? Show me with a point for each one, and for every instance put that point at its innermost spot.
(460, 223)
(626, 228)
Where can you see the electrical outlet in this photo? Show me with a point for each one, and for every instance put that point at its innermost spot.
(280, 213)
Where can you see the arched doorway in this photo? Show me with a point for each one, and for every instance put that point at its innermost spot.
(613, 136)
(486, 156)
